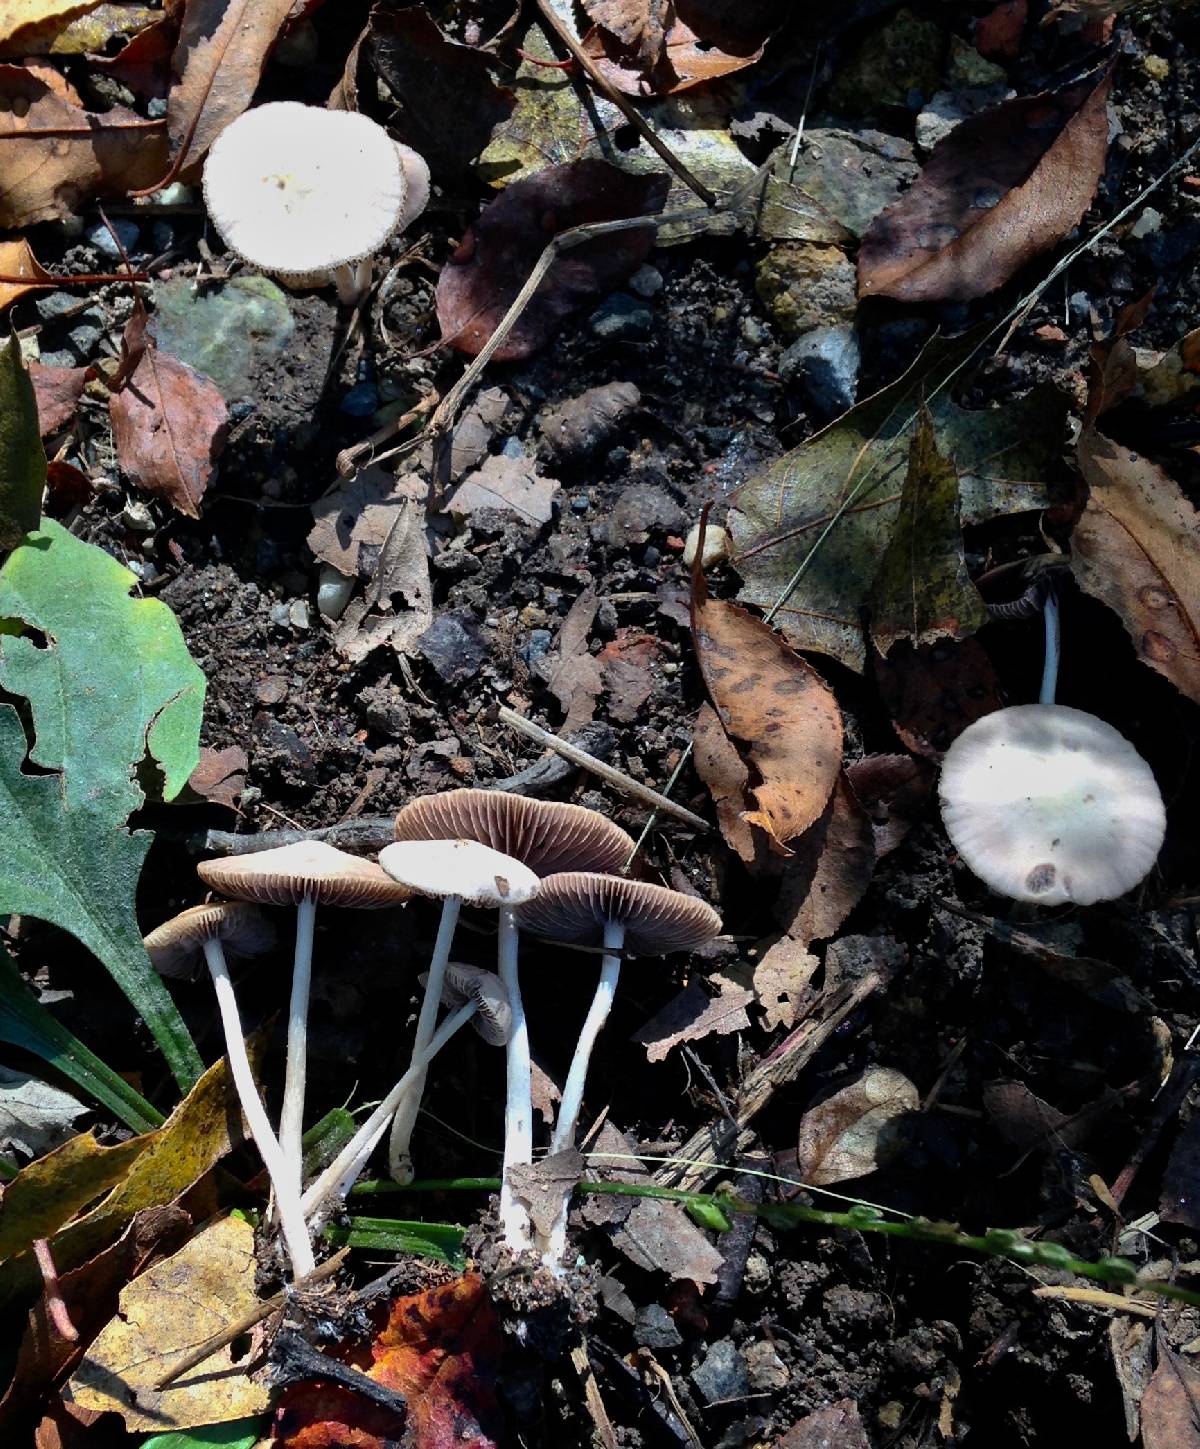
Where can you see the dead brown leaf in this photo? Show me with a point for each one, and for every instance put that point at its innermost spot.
(220, 777)
(1134, 549)
(17, 260)
(544, 1186)
(773, 702)
(1002, 187)
(218, 60)
(1169, 1415)
(57, 390)
(781, 981)
(640, 26)
(506, 485)
(935, 691)
(853, 1132)
(57, 156)
(696, 1013)
(836, 1426)
(144, 63)
(1026, 1121)
(169, 422)
(1112, 364)
(892, 789)
(626, 665)
(569, 671)
(651, 48)
(494, 258)
(830, 870)
(727, 777)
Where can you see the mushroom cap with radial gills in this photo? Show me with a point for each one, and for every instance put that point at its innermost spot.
(466, 869)
(240, 927)
(1050, 804)
(463, 983)
(296, 189)
(577, 905)
(286, 875)
(547, 835)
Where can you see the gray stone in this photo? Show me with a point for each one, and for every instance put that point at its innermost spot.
(59, 358)
(162, 235)
(655, 1328)
(299, 614)
(84, 340)
(948, 108)
(825, 363)
(896, 64)
(646, 282)
(765, 1370)
(453, 646)
(642, 509)
(1147, 224)
(722, 1375)
(223, 331)
(621, 318)
(854, 175)
(53, 305)
(101, 238)
(804, 285)
(156, 108)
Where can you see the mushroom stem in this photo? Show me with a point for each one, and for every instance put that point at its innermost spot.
(353, 281)
(339, 1176)
(291, 1116)
(518, 1101)
(400, 1165)
(572, 1097)
(1050, 664)
(287, 1191)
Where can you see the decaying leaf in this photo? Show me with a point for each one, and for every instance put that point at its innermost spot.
(220, 777)
(544, 1186)
(922, 591)
(626, 665)
(143, 64)
(440, 1349)
(641, 26)
(166, 1311)
(935, 691)
(1026, 1121)
(1179, 1200)
(830, 869)
(545, 125)
(169, 422)
(892, 789)
(836, 1426)
(22, 460)
(34, 1116)
(502, 484)
(57, 390)
(17, 260)
(494, 258)
(696, 1013)
(854, 1132)
(222, 48)
(1002, 187)
(1169, 1418)
(655, 48)
(778, 706)
(58, 156)
(569, 671)
(781, 980)
(1134, 549)
(727, 777)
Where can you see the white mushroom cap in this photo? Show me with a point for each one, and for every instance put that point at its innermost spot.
(294, 188)
(1050, 804)
(475, 873)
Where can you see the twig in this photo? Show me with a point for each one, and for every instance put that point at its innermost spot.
(364, 836)
(55, 1304)
(248, 1319)
(347, 459)
(615, 777)
(297, 1360)
(79, 279)
(623, 104)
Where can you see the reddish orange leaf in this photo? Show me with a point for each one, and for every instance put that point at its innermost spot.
(17, 260)
(58, 390)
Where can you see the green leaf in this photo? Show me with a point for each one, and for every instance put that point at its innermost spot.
(22, 458)
(922, 591)
(25, 1023)
(442, 1241)
(237, 1434)
(109, 680)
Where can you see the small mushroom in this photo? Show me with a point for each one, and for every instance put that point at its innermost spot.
(1050, 804)
(452, 871)
(174, 944)
(474, 996)
(546, 836)
(304, 874)
(627, 916)
(310, 195)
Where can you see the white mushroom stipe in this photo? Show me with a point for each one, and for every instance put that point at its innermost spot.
(291, 1116)
(518, 1100)
(1050, 663)
(1049, 804)
(287, 1194)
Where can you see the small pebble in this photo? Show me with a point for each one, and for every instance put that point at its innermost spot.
(52, 305)
(621, 318)
(299, 614)
(361, 401)
(333, 592)
(156, 109)
(101, 238)
(646, 282)
(84, 340)
(136, 515)
(60, 358)
(162, 236)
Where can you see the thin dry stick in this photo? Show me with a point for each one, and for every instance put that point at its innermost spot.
(55, 1303)
(347, 459)
(247, 1321)
(623, 104)
(617, 778)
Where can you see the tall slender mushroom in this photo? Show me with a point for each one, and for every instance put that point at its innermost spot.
(171, 948)
(452, 871)
(304, 875)
(546, 836)
(473, 995)
(625, 916)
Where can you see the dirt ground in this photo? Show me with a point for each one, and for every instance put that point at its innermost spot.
(934, 1347)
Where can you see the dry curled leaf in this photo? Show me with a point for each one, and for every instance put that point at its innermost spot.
(513, 486)
(569, 670)
(1002, 187)
(727, 777)
(143, 64)
(220, 777)
(781, 981)
(169, 422)
(545, 1185)
(57, 390)
(830, 870)
(495, 257)
(1169, 1417)
(17, 260)
(1134, 549)
(775, 704)
(696, 1013)
(935, 691)
(656, 48)
(892, 789)
(854, 1132)
(56, 156)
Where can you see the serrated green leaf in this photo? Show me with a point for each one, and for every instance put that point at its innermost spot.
(25, 1023)
(109, 681)
(22, 458)
(237, 1434)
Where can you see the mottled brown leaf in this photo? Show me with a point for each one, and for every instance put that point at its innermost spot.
(727, 777)
(1135, 549)
(169, 423)
(829, 873)
(1170, 1418)
(853, 1132)
(55, 156)
(220, 777)
(639, 25)
(543, 1186)
(836, 1426)
(781, 981)
(496, 256)
(892, 789)
(696, 1013)
(935, 691)
(1002, 187)
(144, 63)
(651, 48)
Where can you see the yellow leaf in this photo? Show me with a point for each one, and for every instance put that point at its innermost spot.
(32, 21)
(16, 260)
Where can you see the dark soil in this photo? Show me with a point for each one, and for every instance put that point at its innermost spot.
(934, 1346)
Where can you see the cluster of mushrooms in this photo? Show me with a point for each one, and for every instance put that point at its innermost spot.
(543, 867)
